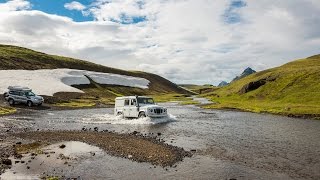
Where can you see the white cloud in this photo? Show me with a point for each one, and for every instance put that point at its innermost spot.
(74, 5)
(13, 5)
(187, 41)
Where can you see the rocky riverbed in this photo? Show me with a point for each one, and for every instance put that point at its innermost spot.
(134, 146)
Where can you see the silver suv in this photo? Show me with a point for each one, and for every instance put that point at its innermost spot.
(18, 94)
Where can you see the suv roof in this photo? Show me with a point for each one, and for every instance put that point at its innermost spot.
(131, 97)
(19, 88)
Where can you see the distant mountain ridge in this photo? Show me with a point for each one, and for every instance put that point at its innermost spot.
(223, 83)
(245, 73)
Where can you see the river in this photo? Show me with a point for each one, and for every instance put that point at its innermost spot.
(228, 144)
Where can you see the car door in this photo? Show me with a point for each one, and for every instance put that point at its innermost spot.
(133, 108)
(22, 97)
(126, 108)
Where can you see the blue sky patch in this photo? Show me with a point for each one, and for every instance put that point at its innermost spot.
(230, 15)
(125, 19)
(57, 7)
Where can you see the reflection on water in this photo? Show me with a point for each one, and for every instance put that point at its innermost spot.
(229, 144)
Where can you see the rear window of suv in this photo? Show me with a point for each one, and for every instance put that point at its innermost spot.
(14, 93)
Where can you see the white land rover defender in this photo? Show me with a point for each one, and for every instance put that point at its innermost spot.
(138, 107)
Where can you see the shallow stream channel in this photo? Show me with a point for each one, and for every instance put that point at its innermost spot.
(225, 145)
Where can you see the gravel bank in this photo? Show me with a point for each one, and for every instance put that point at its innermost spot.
(134, 146)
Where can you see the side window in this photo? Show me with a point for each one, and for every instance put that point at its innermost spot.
(133, 102)
(126, 102)
(14, 92)
(21, 93)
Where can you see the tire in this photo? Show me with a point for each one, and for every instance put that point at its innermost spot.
(29, 103)
(11, 102)
(119, 114)
(5, 95)
(142, 115)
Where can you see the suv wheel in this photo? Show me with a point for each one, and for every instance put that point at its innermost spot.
(29, 103)
(142, 115)
(11, 102)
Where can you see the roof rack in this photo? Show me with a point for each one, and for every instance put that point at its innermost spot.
(19, 88)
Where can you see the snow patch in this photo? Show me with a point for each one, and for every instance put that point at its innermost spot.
(50, 81)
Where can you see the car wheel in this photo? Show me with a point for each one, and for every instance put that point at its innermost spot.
(11, 102)
(119, 114)
(142, 115)
(29, 104)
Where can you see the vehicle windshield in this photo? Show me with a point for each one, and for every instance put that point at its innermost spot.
(29, 93)
(145, 101)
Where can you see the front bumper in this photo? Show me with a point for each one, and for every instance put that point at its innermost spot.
(157, 115)
(37, 102)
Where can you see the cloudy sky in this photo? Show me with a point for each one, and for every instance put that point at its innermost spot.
(186, 41)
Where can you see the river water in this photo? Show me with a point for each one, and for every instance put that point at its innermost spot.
(228, 144)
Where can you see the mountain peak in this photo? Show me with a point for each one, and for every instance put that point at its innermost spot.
(245, 73)
(222, 83)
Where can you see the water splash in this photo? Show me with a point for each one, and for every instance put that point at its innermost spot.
(111, 119)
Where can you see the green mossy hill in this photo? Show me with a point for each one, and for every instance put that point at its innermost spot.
(13, 57)
(292, 89)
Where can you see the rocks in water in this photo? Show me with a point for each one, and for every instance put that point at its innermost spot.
(7, 162)
(19, 142)
(159, 134)
(18, 156)
(95, 129)
(62, 146)
(193, 150)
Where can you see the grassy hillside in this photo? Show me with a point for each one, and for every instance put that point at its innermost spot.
(292, 89)
(13, 57)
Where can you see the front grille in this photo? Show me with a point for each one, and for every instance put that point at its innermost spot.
(158, 111)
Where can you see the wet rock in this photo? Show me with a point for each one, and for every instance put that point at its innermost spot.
(7, 162)
(18, 156)
(159, 134)
(193, 150)
(28, 167)
(62, 146)
(16, 162)
(135, 132)
(95, 129)
(19, 142)
(48, 155)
